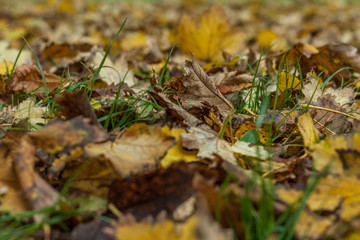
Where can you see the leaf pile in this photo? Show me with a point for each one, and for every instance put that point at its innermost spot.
(195, 121)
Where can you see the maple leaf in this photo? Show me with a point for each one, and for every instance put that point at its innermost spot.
(210, 37)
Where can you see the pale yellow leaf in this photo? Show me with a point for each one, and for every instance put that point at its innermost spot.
(307, 129)
(139, 147)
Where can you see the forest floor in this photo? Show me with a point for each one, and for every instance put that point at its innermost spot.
(179, 120)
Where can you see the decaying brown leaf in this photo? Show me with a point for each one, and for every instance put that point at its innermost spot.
(11, 195)
(199, 88)
(159, 190)
(52, 140)
(28, 78)
(173, 109)
(74, 104)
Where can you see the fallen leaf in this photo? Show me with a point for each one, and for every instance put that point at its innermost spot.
(308, 132)
(177, 152)
(35, 115)
(28, 78)
(137, 148)
(199, 87)
(162, 230)
(210, 37)
(159, 190)
(208, 144)
(255, 151)
(63, 50)
(266, 38)
(8, 55)
(176, 111)
(74, 104)
(288, 81)
(313, 226)
(52, 140)
(339, 154)
(12, 198)
(96, 229)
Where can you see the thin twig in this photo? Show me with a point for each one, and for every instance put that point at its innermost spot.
(330, 110)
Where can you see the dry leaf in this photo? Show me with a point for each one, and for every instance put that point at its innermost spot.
(28, 78)
(288, 81)
(308, 132)
(52, 140)
(266, 38)
(208, 144)
(177, 152)
(74, 104)
(199, 87)
(332, 152)
(176, 111)
(34, 114)
(210, 37)
(255, 151)
(163, 189)
(12, 198)
(138, 147)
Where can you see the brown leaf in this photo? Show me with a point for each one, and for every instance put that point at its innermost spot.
(329, 120)
(199, 87)
(174, 110)
(38, 193)
(28, 78)
(208, 144)
(75, 104)
(56, 50)
(224, 89)
(95, 230)
(162, 189)
(348, 54)
(53, 138)
(94, 179)
(138, 147)
(12, 196)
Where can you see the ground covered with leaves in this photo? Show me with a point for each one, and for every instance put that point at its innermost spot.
(179, 120)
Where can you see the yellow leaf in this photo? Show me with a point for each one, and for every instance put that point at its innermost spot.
(164, 230)
(307, 129)
(207, 39)
(266, 38)
(177, 152)
(311, 226)
(5, 67)
(332, 192)
(14, 33)
(288, 81)
(95, 104)
(352, 236)
(290, 196)
(67, 6)
(133, 40)
(340, 154)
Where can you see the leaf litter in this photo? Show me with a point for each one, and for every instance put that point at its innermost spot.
(247, 128)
